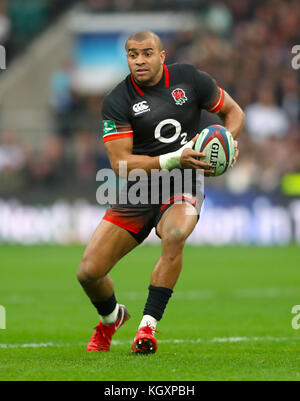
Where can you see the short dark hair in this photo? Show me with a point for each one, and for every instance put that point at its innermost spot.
(142, 35)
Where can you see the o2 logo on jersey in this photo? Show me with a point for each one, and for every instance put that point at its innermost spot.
(176, 124)
(141, 107)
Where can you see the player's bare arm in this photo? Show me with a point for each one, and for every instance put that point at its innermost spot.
(233, 119)
(120, 150)
(232, 116)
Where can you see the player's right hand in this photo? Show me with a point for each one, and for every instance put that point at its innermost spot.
(190, 159)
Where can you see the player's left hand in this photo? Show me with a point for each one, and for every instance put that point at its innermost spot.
(236, 154)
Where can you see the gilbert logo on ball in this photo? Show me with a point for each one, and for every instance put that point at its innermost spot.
(218, 145)
(179, 96)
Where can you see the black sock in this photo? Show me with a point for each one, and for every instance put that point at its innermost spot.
(106, 307)
(157, 300)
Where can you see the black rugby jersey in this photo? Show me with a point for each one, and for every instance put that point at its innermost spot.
(160, 118)
(164, 117)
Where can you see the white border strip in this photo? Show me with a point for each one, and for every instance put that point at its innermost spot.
(131, 22)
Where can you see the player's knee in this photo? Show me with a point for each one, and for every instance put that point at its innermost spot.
(174, 236)
(88, 271)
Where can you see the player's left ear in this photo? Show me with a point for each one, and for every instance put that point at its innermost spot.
(162, 56)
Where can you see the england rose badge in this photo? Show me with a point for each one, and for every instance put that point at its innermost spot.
(179, 96)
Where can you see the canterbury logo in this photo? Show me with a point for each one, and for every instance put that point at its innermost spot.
(141, 107)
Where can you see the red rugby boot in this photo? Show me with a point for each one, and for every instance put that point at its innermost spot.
(144, 341)
(101, 339)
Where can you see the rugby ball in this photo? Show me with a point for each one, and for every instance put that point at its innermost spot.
(218, 145)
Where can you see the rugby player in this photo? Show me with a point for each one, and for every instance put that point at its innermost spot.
(150, 121)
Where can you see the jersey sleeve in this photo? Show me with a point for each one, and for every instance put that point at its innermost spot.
(210, 95)
(115, 119)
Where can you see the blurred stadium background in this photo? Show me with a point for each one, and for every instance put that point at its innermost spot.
(63, 56)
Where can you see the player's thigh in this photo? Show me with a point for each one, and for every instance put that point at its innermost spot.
(108, 244)
(178, 222)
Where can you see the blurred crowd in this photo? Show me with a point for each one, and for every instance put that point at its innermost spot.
(21, 21)
(253, 63)
(244, 44)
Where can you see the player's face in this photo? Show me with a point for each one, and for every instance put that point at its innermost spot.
(145, 61)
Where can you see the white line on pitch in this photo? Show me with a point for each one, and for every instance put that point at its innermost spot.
(170, 341)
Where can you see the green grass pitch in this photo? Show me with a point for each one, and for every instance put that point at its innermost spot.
(229, 317)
